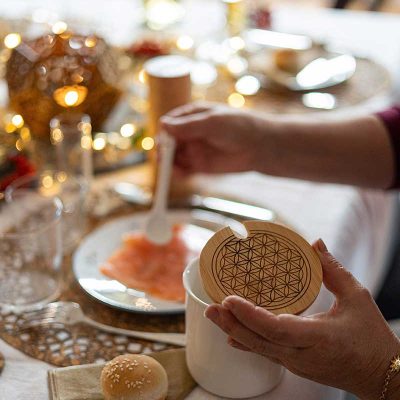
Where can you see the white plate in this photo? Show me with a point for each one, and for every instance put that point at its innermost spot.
(96, 248)
(262, 64)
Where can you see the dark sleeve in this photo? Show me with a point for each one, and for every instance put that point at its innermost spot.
(391, 119)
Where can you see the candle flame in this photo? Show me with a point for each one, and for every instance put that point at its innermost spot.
(70, 96)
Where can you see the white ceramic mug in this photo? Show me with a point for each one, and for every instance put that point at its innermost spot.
(216, 366)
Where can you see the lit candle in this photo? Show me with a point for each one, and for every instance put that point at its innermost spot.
(70, 96)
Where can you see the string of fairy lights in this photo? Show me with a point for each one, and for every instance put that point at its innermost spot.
(209, 59)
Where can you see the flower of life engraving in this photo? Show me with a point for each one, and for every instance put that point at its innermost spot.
(266, 268)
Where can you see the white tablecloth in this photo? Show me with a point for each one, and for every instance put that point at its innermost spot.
(355, 224)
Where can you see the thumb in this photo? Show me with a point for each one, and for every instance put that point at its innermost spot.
(336, 278)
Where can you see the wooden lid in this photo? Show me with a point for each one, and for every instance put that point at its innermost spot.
(273, 267)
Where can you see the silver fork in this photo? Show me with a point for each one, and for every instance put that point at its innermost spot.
(69, 313)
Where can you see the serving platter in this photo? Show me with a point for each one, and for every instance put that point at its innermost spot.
(198, 227)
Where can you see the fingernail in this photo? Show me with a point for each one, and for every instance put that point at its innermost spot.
(229, 302)
(212, 313)
(321, 246)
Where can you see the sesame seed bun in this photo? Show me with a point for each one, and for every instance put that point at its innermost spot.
(134, 377)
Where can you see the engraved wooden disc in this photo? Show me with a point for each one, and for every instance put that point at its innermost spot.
(274, 267)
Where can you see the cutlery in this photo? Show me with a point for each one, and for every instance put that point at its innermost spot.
(232, 207)
(277, 39)
(133, 193)
(320, 101)
(322, 72)
(157, 228)
(70, 313)
(136, 195)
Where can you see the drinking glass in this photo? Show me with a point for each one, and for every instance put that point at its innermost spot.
(30, 250)
(71, 136)
(70, 190)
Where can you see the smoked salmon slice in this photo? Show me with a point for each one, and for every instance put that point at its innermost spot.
(156, 270)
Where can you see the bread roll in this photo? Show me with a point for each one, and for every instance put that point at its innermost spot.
(134, 377)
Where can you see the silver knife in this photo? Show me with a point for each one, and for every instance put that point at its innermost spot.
(274, 39)
(134, 194)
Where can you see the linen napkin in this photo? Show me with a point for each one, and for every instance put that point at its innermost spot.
(82, 382)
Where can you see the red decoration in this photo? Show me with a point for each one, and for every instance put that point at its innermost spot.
(148, 48)
(15, 166)
(261, 18)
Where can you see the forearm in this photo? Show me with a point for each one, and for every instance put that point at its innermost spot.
(375, 383)
(356, 151)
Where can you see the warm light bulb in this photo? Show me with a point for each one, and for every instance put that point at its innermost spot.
(147, 143)
(10, 128)
(127, 130)
(237, 65)
(90, 41)
(184, 42)
(17, 120)
(19, 145)
(236, 100)
(12, 40)
(61, 176)
(47, 181)
(56, 136)
(161, 13)
(99, 143)
(85, 128)
(59, 27)
(236, 43)
(248, 85)
(25, 134)
(86, 142)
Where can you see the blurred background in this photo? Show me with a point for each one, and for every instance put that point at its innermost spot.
(85, 60)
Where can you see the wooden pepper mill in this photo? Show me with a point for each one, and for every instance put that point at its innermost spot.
(169, 84)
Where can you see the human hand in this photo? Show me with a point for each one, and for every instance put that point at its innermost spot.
(348, 347)
(214, 138)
